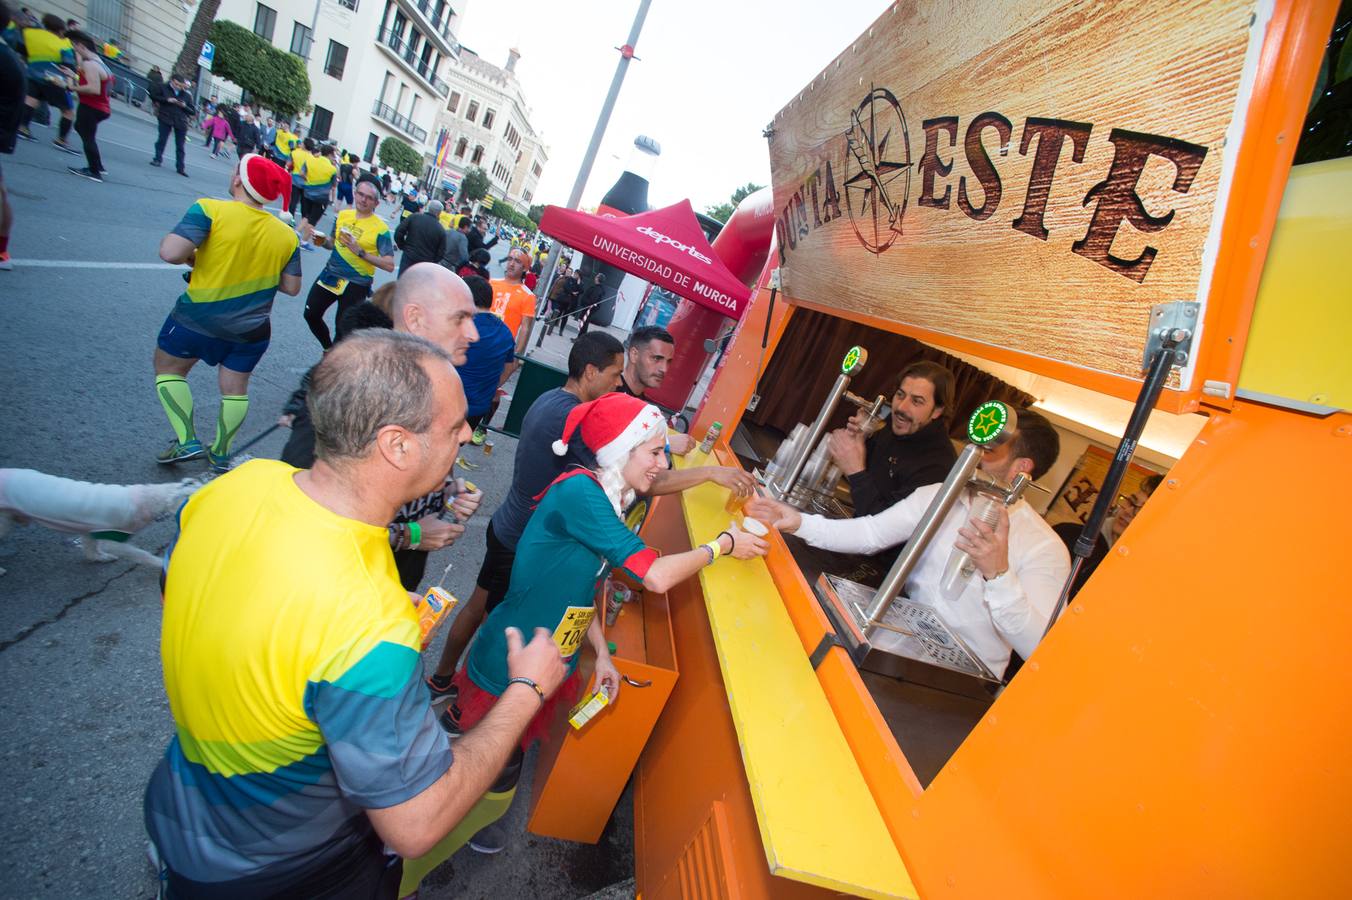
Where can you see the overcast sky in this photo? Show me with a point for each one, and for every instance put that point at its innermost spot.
(709, 76)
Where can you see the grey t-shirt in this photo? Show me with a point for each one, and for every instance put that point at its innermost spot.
(536, 463)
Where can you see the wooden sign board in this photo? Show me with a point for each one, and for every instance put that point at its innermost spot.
(1028, 175)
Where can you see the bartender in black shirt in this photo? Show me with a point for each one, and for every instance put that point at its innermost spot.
(914, 451)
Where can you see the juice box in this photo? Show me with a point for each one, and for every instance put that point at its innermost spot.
(585, 711)
(432, 609)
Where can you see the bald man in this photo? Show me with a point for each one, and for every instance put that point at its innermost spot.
(435, 303)
(432, 303)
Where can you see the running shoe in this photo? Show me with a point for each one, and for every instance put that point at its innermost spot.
(85, 172)
(183, 173)
(62, 145)
(220, 464)
(306, 245)
(26, 134)
(450, 723)
(6, 264)
(442, 688)
(177, 452)
(490, 839)
(154, 162)
(480, 435)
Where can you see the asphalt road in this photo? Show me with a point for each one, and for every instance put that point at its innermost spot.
(81, 697)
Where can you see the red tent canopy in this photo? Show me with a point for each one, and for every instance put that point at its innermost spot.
(665, 246)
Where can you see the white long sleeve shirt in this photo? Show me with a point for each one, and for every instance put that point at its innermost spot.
(991, 617)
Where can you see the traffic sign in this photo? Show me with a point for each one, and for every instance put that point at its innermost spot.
(204, 59)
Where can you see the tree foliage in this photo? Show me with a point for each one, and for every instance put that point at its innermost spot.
(276, 80)
(535, 213)
(186, 64)
(723, 211)
(474, 186)
(399, 156)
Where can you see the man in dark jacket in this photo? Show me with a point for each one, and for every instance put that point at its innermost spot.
(478, 235)
(421, 237)
(174, 108)
(457, 245)
(247, 135)
(913, 452)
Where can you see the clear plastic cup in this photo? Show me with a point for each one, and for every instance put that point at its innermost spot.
(754, 526)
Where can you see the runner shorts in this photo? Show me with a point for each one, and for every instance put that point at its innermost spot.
(313, 210)
(178, 340)
(495, 574)
(54, 94)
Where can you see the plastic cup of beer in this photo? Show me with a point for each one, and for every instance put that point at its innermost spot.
(488, 448)
(320, 239)
(754, 526)
(736, 502)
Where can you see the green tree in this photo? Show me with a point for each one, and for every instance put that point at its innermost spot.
(723, 211)
(474, 186)
(276, 80)
(400, 156)
(186, 64)
(536, 213)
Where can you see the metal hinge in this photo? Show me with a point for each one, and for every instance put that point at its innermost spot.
(1174, 323)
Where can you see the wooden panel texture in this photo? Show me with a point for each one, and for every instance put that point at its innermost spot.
(1026, 175)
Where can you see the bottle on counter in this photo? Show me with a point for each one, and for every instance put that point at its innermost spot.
(706, 446)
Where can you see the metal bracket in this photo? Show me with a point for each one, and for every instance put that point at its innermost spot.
(1171, 323)
(777, 279)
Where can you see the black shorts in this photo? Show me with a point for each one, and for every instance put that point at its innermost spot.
(313, 210)
(495, 574)
(54, 94)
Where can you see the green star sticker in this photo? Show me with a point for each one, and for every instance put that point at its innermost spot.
(988, 421)
(854, 360)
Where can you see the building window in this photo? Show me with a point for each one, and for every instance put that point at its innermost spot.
(473, 112)
(454, 103)
(478, 155)
(488, 118)
(348, 4)
(301, 38)
(537, 170)
(320, 123)
(336, 61)
(512, 135)
(370, 154)
(460, 147)
(526, 196)
(265, 22)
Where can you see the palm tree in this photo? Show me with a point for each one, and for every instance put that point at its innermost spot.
(186, 66)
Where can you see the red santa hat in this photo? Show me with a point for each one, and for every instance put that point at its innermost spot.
(612, 426)
(264, 180)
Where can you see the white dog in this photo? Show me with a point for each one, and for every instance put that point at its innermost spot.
(106, 514)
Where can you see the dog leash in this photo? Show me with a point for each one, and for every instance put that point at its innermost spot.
(240, 449)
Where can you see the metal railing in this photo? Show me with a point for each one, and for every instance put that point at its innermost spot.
(405, 53)
(442, 26)
(387, 113)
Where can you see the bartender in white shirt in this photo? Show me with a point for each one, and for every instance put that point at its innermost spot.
(1021, 564)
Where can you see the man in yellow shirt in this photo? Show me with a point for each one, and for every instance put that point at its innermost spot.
(304, 740)
(513, 302)
(362, 243)
(319, 175)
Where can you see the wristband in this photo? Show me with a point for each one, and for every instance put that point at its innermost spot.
(731, 540)
(414, 535)
(714, 548)
(521, 679)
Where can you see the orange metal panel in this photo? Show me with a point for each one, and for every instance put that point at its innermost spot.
(736, 381)
(1183, 730)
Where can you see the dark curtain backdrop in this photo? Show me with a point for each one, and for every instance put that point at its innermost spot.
(807, 361)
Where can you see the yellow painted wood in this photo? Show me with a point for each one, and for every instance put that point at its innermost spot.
(1302, 318)
(817, 819)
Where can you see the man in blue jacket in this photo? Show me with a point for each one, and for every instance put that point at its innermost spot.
(489, 361)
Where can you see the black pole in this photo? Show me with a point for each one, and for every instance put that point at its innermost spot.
(1160, 367)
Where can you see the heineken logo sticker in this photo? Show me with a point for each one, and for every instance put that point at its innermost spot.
(854, 360)
(988, 422)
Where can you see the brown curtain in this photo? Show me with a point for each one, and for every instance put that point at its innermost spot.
(807, 361)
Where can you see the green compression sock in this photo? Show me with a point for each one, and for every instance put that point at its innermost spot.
(233, 411)
(491, 807)
(176, 398)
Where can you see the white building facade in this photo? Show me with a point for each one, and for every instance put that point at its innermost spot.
(377, 67)
(486, 122)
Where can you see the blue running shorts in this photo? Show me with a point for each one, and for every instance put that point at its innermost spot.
(181, 341)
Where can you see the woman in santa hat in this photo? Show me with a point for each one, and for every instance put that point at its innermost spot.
(576, 536)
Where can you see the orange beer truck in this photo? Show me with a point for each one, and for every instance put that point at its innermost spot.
(1037, 194)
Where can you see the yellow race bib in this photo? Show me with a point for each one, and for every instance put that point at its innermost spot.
(572, 628)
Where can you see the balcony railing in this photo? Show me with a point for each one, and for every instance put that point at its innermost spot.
(401, 49)
(387, 113)
(442, 23)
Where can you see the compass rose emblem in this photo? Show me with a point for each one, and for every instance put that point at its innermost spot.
(877, 169)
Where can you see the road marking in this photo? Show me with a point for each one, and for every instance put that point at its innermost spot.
(88, 264)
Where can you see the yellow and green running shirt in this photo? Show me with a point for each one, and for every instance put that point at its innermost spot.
(299, 157)
(284, 141)
(46, 51)
(242, 254)
(320, 175)
(372, 235)
(291, 663)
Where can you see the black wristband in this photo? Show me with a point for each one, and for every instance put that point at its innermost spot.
(731, 540)
(521, 679)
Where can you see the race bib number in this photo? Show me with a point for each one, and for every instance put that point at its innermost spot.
(572, 628)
